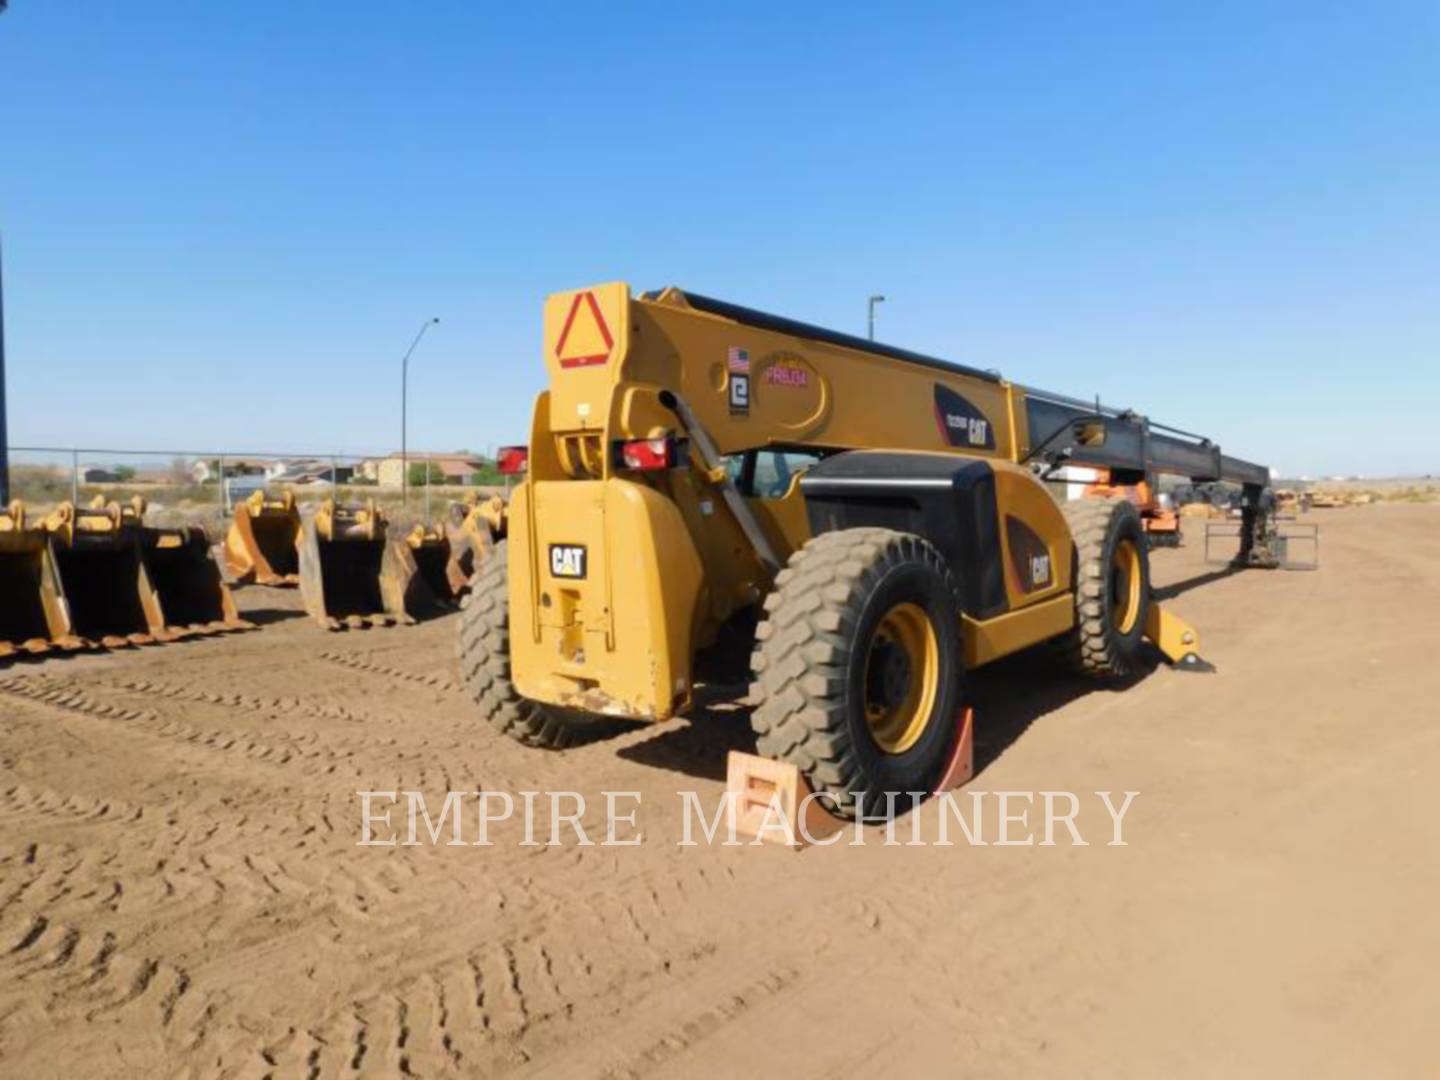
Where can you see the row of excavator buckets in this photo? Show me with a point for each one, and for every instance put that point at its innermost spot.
(99, 577)
(350, 573)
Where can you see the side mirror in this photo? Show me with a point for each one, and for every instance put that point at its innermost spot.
(1090, 432)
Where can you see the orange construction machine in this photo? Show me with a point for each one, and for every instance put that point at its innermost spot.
(1158, 516)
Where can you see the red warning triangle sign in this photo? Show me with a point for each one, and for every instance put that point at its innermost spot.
(586, 339)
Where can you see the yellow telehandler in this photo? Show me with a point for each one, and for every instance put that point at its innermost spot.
(874, 519)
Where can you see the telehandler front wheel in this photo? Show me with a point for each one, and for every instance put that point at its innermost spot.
(858, 667)
(484, 652)
(1112, 588)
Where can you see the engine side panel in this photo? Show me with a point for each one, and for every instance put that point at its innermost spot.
(949, 500)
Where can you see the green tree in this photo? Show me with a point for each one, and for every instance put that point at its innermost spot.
(417, 474)
(124, 473)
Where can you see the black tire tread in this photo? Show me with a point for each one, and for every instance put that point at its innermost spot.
(1089, 648)
(483, 649)
(802, 649)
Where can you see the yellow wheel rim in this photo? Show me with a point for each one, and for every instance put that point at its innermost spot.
(902, 677)
(1125, 584)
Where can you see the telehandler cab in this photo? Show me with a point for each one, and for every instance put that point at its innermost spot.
(875, 520)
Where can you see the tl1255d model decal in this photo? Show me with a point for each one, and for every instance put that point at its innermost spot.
(961, 423)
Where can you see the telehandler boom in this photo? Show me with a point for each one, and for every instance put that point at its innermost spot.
(874, 520)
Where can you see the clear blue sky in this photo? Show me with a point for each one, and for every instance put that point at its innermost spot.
(223, 223)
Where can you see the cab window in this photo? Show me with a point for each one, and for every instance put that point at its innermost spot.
(767, 474)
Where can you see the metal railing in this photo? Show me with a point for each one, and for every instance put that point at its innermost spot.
(39, 474)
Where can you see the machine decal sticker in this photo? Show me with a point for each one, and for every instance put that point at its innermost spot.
(1030, 562)
(567, 560)
(738, 360)
(786, 373)
(960, 422)
(739, 395)
(585, 340)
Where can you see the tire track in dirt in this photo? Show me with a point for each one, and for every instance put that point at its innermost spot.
(470, 1007)
(279, 707)
(156, 868)
(277, 748)
(360, 661)
(684, 1034)
(74, 974)
(535, 959)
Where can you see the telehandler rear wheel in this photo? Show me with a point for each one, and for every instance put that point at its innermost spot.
(857, 667)
(484, 652)
(1112, 588)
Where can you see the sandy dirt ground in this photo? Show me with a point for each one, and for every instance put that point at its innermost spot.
(181, 890)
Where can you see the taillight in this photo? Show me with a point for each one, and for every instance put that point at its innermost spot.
(648, 455)
(512, 459)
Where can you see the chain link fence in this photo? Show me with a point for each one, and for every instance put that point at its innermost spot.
(202, 487)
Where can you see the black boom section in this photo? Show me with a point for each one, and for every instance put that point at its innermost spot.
(1133, 444)
(948, 500)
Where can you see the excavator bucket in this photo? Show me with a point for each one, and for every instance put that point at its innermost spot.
(262, 545)
(126, 584)
(472, 530)
(97, 559)
(34, 617)
(192, 593)
(431, 552)
(351, 577)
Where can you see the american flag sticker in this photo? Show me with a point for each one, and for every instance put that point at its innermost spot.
(739, 359)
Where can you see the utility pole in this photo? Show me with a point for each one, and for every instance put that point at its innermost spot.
(876, 299)
(4, 434)
(405, 411)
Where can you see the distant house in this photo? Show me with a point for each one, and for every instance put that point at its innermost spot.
(310, 471)
(99, 476)
(204, 471)
(456, 469)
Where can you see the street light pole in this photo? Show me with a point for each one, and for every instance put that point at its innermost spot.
(876, 299)
(4, 435)
(405, 413)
